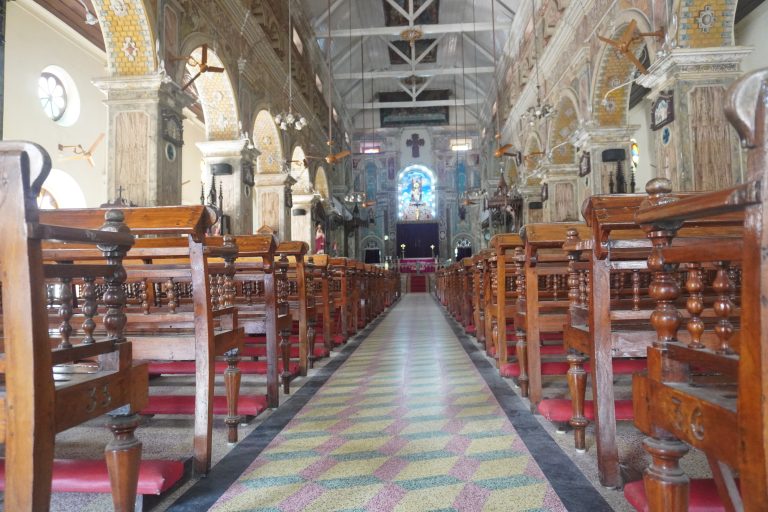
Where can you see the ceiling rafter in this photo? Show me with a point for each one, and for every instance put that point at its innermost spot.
(425, 72)
(427, 30)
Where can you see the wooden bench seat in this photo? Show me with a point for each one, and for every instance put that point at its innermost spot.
(39, 400)
(727, 417)
(180, 306)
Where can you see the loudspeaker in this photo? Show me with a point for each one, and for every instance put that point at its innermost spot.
(614, 155)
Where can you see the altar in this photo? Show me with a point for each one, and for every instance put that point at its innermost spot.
(417, 265)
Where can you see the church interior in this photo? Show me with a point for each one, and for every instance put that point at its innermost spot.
(379, 255)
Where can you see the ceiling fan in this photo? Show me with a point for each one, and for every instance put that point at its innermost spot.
(202, 66)
(78, 153)
(625, 41)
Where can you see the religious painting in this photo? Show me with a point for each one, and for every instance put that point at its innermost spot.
(416, 194)
(662, 110)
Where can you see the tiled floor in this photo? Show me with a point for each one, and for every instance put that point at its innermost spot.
(406, 423)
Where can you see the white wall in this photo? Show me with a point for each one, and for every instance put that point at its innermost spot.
(35, 40)
(191, 161)
(753, 31)
(645, 170)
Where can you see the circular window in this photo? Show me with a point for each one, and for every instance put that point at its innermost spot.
(58, 96)
(53, 96)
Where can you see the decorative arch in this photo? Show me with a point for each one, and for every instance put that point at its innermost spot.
(217, 97)
(321, 183)
(62, 190)
(610, 97)
(561, 129)
(533, 152)
(266, 138)
(299, 171)
(128, 37)
(416, 194)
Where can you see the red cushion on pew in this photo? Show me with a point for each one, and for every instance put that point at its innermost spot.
(260, 338)
(559, 409)
(470, 329)
(77, 475)
(250, 405)
(188, 367)
(510, 370)
(546, 350)
(338, 339)
(620, 367)
(703, 496)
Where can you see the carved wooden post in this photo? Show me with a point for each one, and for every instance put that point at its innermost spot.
(522, 345)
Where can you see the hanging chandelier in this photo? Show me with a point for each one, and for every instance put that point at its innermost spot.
(288, 120)
(539, 111)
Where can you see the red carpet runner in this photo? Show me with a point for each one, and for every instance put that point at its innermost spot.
(418, 284)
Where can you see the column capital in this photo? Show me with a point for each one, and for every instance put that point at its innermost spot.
(700, 63)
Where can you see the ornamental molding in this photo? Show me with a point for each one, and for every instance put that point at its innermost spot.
(695, 61)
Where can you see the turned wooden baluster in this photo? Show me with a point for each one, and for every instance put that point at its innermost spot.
(144, 296)
(666, 485)
(89, 309)
(636, 290)
(723, 307)
(170, 294)
(583, 288)
(123, 453)
(232, 378)
(65, 313)
(576, 375)
(695, 305)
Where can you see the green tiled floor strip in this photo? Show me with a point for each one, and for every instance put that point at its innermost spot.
(407, 423)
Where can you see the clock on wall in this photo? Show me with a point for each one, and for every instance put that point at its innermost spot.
(662, 110)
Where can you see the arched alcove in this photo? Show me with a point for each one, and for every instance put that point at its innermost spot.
(266, 138)
(216, 96)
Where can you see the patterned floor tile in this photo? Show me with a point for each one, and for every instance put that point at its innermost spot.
(406, 423)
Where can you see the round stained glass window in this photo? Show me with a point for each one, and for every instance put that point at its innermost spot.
(53, 95)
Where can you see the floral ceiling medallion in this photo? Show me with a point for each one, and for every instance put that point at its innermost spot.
(119, 7)
(706, 19)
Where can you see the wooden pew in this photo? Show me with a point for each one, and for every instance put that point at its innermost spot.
(39, 398)
(726, 418)
(542, 305)
(183, 310)
(340, 293)
(500, 302)
(262, 310)
(319, 265)
(479, 303)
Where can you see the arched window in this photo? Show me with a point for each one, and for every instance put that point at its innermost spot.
(416, 194)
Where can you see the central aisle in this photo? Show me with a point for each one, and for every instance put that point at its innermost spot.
(406, 423)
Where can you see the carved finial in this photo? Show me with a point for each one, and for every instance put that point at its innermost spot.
(571, 235)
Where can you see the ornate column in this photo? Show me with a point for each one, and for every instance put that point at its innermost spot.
(272, 196)
(561, 183)
(144, 139)
(304, 199)
(239, 160)
(593, 141)
(695, 146)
